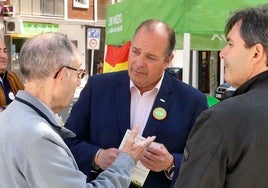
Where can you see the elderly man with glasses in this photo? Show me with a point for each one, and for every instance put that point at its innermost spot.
(32, 150)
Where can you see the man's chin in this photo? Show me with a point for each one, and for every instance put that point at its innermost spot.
(3, 68)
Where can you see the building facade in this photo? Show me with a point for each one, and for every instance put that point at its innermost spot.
(22, 19)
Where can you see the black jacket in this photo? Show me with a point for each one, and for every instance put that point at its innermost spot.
(228, 145)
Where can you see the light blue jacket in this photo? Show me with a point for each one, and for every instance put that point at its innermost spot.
(33, 153)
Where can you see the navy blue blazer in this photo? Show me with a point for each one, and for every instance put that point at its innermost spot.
(101, 116)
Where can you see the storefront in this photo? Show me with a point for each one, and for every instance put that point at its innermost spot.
(15, 34)
(16, 31)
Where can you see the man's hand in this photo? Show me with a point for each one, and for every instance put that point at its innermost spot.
(137, 149)
(106, 157)
(157, 157)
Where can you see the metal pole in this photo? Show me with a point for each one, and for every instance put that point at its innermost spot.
(92, 62)
(186, 58)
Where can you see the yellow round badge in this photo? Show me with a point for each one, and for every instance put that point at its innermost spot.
(159, 113)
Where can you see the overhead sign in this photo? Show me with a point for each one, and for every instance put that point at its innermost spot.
(37, 28)
(93, 38)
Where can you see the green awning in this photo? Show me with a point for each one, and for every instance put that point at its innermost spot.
(203, 19)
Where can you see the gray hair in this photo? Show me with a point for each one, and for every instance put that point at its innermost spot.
(44, 54)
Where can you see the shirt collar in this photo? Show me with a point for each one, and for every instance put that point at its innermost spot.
(156, 87)
(3, 74)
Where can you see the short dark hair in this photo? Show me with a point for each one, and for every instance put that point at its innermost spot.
(254, 25)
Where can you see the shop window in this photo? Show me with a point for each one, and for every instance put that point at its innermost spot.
(39, 7)
(102, 6)
(59, 8)
(26, 7)
(48, 7)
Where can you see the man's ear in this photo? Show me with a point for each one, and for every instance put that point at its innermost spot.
(169, 59)
(258, 51)
(259, 54)
(60, 73)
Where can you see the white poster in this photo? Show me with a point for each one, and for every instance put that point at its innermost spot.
(81, 3)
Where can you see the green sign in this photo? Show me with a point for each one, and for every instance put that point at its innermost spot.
(33, 28)
(203, 19)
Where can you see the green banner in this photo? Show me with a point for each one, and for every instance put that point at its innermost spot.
(203, 19)
(123, 18)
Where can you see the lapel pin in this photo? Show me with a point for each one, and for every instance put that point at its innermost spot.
(11, 95)
(162, 100)
(159, 113)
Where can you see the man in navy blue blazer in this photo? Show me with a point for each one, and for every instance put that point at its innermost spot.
(145, 95)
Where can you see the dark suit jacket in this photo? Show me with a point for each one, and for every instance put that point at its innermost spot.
(227, 148)
(101, 117)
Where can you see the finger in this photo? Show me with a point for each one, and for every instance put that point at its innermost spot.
(135, 130)
(131, 139)
(148, 141)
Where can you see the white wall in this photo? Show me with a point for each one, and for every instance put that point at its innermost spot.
(76, 32)
(178, 59)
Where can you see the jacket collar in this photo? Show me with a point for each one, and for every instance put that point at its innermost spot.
(3, 74)
(253, 82)
(163, 100)
(43, 111)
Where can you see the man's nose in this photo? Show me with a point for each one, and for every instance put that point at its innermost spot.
(141, 61)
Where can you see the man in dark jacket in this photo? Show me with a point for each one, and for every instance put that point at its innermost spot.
(145, 95)
(228, 145)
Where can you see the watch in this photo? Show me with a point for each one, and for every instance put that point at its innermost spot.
(95, 165)
(170, 171)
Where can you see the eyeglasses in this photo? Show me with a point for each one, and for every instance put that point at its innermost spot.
(81, 72)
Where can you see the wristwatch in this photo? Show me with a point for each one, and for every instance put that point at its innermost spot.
(96, 166)
(170, 171)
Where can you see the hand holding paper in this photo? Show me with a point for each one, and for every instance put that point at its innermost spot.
(136, 149)
(137, 142)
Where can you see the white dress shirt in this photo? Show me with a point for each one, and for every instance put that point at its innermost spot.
(141, 104)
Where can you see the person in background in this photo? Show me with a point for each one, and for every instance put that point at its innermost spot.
(145, 95)
(100, 66)
(10, 84)
(227, 146)
(32, 151)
